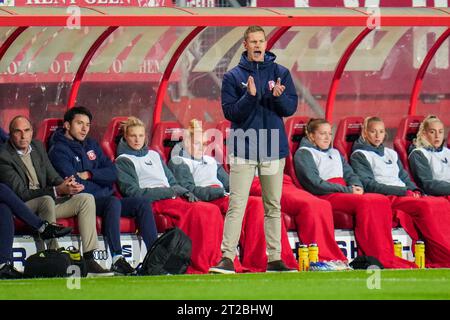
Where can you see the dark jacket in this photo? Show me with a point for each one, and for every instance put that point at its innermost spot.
(263, 111)
(363, 169)
(3, 136)
(72, 156)
(129, 182)
(13, 172)
(308, 174)
(422, 173)
(185, 179)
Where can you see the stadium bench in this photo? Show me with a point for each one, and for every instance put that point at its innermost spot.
(295, 131)
(406, 133)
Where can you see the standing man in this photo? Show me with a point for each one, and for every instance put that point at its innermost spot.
(73, 153)
(256, 95)
(26, 169)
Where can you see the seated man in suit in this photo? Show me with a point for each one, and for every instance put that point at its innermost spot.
(26, 169)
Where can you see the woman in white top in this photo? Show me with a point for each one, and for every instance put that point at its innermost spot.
(141, 172)
(429, 158)
(324, 172)
(381, 172)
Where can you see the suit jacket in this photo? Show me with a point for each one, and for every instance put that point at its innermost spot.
(13, 172)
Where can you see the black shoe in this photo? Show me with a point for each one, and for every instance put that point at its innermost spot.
(9, 272)
(122, 268)
(225, 266)
(95, 270)
(278, 266)
(53, 230)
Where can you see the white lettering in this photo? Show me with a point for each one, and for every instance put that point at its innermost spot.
(66, 66)
(74, 21)
(55, 67)
(74, 279)
(13, 67)
(117, 66)
(374, 281)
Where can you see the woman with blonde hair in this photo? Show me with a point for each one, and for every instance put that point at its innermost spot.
(141, 172)
(429, 158)
(322, 171)
(201, 174)
(381, 172)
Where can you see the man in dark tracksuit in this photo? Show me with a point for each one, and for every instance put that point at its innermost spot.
(73, 153)
(256, 95)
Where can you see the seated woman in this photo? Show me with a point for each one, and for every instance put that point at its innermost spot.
(323, 171)
(381, 171)
(429, 158)
(202, 175)
(141, 172)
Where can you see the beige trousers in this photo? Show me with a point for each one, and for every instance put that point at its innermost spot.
(242, 172)
(81, 205)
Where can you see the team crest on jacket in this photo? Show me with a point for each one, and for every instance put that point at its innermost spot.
(91, 155)
(271, 84)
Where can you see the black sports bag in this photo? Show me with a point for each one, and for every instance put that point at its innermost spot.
(170, 254)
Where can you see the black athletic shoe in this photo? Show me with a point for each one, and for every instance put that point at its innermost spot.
(95, 270)
(122, 268)
(53, 230)
(278, 266)
(9, 272)
(225, 266)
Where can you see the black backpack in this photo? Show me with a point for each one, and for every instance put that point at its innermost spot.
(170, 254)
(53, 263)
(364, 262)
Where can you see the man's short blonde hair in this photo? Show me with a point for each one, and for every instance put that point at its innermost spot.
(253, 29)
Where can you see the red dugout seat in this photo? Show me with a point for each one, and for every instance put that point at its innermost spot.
(47, 128)
(109, 146)
(295, 131)
(347, 132)
(111, 137)
(406, 133)
(224, 127)
(165, 136)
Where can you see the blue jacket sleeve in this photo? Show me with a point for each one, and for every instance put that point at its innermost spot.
(236, 108)
(105, 173)
(62, 161)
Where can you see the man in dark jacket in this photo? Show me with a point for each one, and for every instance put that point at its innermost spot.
(3, 137)
(73, 153)
(256, 95)
(26, 169)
